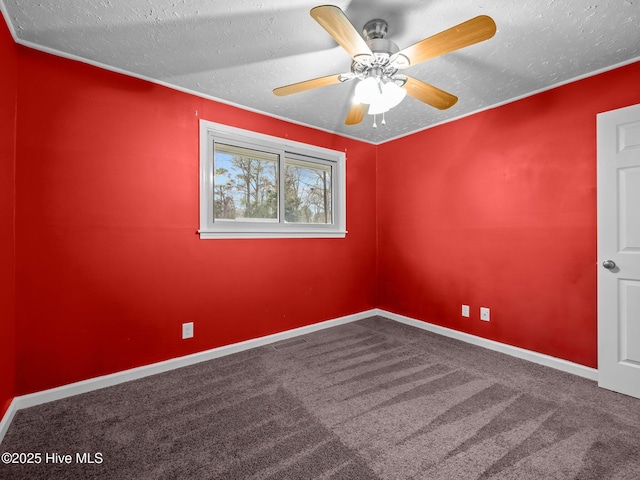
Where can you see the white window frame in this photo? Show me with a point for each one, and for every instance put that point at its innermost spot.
(211, 133)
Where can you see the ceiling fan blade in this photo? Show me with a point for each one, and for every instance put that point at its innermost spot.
(429, 94)
(356, 113)
(467, 33)
(307, 85)
(336, 23)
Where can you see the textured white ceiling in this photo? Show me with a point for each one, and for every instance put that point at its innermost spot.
(239, 50)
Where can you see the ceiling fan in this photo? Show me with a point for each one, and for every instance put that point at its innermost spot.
(377, 60)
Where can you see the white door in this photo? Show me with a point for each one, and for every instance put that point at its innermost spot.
(619, 250)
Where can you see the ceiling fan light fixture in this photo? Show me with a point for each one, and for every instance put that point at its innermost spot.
(380, 96)
(368, 90)
(378, 107)
(376, 61)
(393, 94)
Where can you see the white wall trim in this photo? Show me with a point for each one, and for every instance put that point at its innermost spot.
(7, 418)
(59, 53)
(58, 393)
(84, 386)
(535, 357)
(32, 399)
(518, 98)
(163, 83)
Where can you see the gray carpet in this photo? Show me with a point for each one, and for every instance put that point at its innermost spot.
(374, 399)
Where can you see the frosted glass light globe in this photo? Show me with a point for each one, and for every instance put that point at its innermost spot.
(391, 96)
(367, 90)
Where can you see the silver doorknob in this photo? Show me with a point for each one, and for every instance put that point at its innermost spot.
(609, 264)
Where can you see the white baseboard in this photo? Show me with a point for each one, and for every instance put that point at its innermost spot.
(84, 386)
(58, 393)
(32, 399)
(7, 418)
(535, 357)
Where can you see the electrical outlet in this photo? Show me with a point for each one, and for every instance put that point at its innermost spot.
(485, 314)
(187, 330)
(465, 310)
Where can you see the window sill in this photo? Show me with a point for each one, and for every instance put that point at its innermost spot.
(221, 235)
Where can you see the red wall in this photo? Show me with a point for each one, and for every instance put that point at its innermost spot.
(8, 92)
(109, 264)
(499, 210)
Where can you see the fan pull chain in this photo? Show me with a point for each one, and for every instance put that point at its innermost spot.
(375, 124)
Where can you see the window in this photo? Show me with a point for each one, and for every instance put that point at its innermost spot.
(255, 185)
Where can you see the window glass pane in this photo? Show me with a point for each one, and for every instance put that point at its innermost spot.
(307, 197)
(245, 184)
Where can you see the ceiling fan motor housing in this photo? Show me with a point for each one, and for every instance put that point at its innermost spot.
(374, 32)
(379, 64)
(382, 46)
(376, 28)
